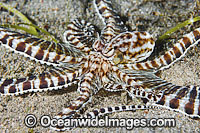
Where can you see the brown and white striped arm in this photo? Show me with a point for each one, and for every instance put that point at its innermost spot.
(135, 86)
(81, 34)
(43, 51)
(108, 110)
(113, 22)
(113, 87)
(149, 81)
(124, 77)
(52, 80)
(184, 99)
(86, 92)
(136, 91)
(155, 91)
(171, 56)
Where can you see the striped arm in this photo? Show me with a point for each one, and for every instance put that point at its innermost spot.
(149, 81)
(108, 110)
(122, 76)
(113, 87)
(86, 92)
(36, 49)
(171, 56)
(135, 86)
(113, 22)
(184, 99)
(136, 91)
(81, 34)
(52, 80)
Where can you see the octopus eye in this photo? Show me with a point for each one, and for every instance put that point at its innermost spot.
(118, 58)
